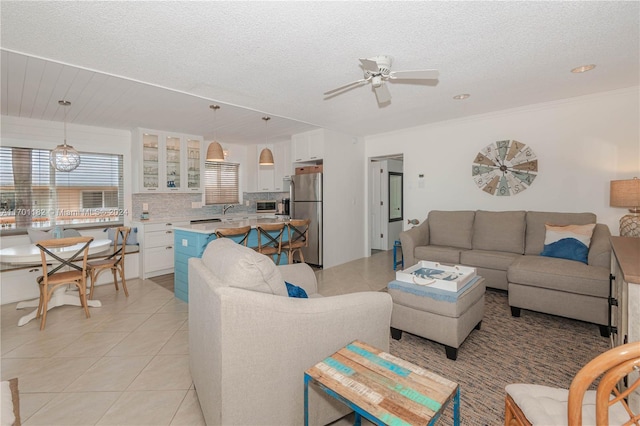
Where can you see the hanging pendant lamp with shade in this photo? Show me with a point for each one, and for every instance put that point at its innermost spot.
(266, 156)
(215, 152)
(64, 158)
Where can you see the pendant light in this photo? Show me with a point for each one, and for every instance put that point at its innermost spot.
(214, 152)
(266, 156)
(64, 158)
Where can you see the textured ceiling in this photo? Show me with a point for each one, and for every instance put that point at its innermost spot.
(279, 57)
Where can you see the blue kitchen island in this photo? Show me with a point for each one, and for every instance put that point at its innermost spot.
(190, 241)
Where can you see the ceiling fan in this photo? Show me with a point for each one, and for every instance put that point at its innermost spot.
(377, 70)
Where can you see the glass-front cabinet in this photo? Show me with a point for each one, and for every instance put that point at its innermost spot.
(194, 147)
(172, 163)
(150, 161)
(166, 162)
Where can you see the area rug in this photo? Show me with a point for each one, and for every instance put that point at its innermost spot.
(535, 348)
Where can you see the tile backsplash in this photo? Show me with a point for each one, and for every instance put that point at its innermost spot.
(178, 206)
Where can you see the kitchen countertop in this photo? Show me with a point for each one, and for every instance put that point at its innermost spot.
(210, 227)
(227, 217)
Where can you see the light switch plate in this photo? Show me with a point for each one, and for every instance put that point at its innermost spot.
(185, 242)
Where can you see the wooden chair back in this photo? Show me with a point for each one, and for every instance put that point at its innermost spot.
(114, 262)
(47, 248)
(298, 233)
(240, 234)
(270, 239)
(612, 367)
(52, 279)
(297, 238)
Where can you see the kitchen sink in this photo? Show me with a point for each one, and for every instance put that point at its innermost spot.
(205, 221)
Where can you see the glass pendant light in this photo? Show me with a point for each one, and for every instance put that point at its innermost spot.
(64, 158)
(214, 152)
(266, 156)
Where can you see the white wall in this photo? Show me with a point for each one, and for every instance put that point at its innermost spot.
(31, 133)
(581, 143)
(343, 199)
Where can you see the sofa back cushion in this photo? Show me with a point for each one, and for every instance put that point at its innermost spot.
(238, 266)
(536, 230)
(499, 231)
(451, 228)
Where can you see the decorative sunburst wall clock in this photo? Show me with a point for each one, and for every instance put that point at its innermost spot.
(505, 168)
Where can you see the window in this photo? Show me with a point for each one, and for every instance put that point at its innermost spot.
(221, 183)
(33, 194)
(99, 199)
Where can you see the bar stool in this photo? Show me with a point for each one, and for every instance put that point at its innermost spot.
(298, 233)
(270, 239)
(240, 235)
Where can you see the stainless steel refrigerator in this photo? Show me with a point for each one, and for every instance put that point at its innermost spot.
(306, 202)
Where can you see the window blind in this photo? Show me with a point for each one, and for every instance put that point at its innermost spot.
(34, 194)
(221, 183)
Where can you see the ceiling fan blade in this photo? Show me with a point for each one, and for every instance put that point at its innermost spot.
(369, 65)
(346, 86)
(414, 75)
(382, 93)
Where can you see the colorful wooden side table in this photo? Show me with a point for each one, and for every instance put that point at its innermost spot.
(383, 388)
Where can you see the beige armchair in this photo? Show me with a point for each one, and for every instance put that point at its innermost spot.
(249, 348)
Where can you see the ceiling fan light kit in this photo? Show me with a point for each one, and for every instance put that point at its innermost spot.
(377, 71)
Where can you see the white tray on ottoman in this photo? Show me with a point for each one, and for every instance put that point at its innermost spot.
(433, 274)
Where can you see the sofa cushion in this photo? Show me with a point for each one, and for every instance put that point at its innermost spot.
(536, 231)
(451, 228)
(440, 254)
(560, 274)
(488, 259)
(239, 266)
(569, 242)
(499, 231)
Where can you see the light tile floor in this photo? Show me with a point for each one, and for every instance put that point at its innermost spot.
(128, 364)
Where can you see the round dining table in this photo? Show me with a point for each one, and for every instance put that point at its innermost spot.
(29, 254)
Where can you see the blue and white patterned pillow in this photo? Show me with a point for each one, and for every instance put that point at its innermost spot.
(568, 241)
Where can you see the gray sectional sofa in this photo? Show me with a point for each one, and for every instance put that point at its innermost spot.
(505, 248)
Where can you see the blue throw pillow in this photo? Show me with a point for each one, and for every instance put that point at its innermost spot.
(295, 291)
(568, 242)
(132, 239)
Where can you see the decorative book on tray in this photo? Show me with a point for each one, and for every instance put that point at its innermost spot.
(433, 274)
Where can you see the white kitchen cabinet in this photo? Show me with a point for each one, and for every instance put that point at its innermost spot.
(266, 174)
(167, 162)
(156, 247)
(307, 146)
(271, 178)
(282, 167)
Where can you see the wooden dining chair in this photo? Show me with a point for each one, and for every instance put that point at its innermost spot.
(52, 278)
(239, 235)
(113, 263)
(298, 237)
(270, 239)
(527, 404)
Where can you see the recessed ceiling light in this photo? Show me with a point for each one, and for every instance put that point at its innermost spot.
(583, 68)
(461, 96)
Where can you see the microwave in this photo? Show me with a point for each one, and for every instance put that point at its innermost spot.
(266, 206)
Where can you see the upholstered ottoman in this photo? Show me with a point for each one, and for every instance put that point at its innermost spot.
(442, 316)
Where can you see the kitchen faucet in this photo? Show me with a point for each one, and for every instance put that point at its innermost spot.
(226, 207)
